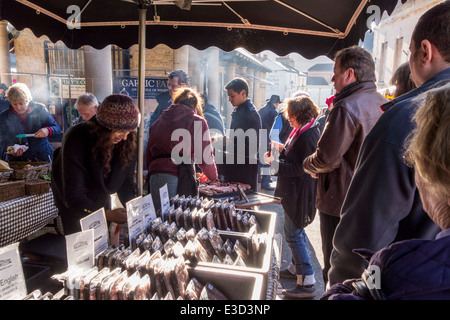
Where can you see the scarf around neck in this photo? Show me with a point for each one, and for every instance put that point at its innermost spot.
(295, 134)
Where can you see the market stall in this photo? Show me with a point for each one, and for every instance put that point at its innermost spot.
(199, 248)
(23, 216)
(26, 202)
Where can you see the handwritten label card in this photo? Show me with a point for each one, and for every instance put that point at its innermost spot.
(135, 218)
(97, 222)
(80, 250)
(12, 280)
(148, 210)
(165, 200)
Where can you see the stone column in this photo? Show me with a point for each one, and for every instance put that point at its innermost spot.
(195, 69)
(213, 76)
(98, 71)
(230, 75)
(259, 93)
(5, 64)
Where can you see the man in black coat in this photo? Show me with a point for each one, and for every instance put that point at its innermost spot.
(268, 113)
(212, 116)
(242, 152)
(177, 79)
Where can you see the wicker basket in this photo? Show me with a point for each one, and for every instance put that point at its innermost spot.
(36, 170)
(5, 174)
(11, 190)
(37, 186)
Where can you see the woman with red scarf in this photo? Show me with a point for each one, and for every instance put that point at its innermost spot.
(297, 189)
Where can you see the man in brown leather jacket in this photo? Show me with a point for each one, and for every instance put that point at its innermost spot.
(356, 110)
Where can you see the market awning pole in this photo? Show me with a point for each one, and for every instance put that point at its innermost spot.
(141, 100)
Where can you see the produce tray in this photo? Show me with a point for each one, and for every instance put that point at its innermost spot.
(266, 221)
(234, 284)
(263, 258)
(230, 195)
(36, 170)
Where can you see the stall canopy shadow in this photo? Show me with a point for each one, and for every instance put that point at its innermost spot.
(310, 28)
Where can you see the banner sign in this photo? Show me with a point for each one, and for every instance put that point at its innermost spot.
(59, 87)
(129, 86)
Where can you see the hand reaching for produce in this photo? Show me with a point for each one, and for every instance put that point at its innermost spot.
(42, 133)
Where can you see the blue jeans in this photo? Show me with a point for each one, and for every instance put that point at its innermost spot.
(265, 178)
(157, 181)
(297, 242)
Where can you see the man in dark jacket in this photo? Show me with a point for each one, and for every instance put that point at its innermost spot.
(245, 126)
(177, 79)
(212, 116)
(268, 113)
(356, 108)
(382, 204)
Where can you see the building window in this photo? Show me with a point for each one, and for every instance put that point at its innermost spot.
(62, 60)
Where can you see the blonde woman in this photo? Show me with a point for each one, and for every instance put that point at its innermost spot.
(25, 116)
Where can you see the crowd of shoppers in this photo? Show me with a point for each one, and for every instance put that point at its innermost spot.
(383, 204)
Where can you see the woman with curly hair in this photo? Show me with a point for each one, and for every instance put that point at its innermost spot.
(297, 190)
(97, 158)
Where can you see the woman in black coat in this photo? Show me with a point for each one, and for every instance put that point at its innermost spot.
(297, 189)
(97, 158)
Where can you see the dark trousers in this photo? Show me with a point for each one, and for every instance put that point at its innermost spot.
(328, 226)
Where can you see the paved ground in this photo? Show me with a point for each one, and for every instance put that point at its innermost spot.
(314, 248)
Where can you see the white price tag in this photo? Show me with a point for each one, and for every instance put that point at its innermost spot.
(80, 250)
(12, 280)
(135, 218)
(165, 200)
(148, 210)
(97, 222)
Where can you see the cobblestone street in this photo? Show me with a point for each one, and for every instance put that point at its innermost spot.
(314, 249)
